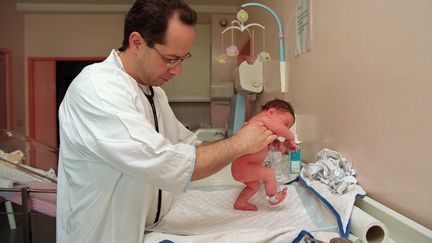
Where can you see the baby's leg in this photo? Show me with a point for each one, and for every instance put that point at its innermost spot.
(267, 175)
(247, 192)
(278, 197)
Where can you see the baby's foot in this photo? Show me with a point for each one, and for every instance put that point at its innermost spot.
(278, 197)
(245, 206)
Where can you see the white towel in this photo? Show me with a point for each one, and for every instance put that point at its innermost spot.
(332, 178)
(331, 169)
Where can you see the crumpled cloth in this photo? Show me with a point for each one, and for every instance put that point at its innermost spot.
(332, 169)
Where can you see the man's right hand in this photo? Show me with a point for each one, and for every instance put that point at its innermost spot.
(210, 158)
(254, 137)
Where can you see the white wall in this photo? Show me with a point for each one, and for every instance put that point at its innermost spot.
(364, 90)
(72, 35)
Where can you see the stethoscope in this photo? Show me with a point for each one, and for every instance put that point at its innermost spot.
(153, 107)
(151, 101)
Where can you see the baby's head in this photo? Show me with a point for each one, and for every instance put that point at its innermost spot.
(280, 110)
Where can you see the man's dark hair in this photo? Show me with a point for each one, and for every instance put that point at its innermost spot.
(279, 105)
(150, 19)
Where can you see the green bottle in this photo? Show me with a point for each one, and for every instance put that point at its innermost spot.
(295, 158)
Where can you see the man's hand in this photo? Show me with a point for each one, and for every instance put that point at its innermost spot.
(280, 146)
(254, 137)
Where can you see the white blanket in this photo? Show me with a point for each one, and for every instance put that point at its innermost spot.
(204, 215)
(312, 208)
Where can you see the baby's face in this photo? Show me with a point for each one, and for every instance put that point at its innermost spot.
(284, 117)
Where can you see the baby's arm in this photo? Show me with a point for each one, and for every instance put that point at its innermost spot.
(290, 143)
(281, 130)
(276, 127)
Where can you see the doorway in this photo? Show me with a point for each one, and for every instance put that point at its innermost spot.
(49, 78)
(66, 71)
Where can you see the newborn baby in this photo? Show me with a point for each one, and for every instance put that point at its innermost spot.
(278, 116)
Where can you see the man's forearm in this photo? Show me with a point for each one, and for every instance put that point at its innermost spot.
(210, 158)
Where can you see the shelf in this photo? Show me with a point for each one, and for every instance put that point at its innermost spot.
(189, 99)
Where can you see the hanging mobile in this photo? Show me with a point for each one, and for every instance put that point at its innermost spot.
(264, 56)
(232, 50)
(222, 58)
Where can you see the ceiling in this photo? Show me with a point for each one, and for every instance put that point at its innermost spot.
(205, 8)
(129, 2)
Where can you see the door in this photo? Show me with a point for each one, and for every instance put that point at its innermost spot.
(42, 96)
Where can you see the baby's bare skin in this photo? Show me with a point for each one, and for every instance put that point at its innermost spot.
(249, 168)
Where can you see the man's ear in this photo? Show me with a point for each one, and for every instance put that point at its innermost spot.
(135, 40)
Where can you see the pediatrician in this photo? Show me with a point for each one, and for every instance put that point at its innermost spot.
(123, 153)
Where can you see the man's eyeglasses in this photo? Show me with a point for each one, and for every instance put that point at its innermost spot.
(171, 62)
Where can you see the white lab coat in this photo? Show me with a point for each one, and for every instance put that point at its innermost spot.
(112, 161)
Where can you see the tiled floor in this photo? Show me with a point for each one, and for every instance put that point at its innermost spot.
(43, 227)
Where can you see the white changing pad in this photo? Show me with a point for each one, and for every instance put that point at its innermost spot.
(203, 215)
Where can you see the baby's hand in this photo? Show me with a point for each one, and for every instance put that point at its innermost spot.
(290, 143)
